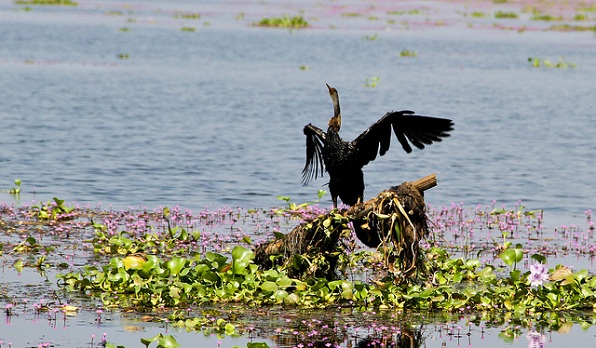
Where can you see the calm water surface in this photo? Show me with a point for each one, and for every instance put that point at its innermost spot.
(112, 103)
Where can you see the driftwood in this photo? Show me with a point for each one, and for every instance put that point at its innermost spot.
(393, 222)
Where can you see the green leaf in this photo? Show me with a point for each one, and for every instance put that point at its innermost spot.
(508, 256)
(539, 258)
(256, 345)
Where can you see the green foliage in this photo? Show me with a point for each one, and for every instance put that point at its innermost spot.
(561, 64)
(46, 2)
(407, 53)
(373, 37)
(162, 341)
(295, 22)
(502, 14)
(372, 82)
(187, 15)
(292, 207)
(188, 29)
(150, 282)
(16, 190)
(56, 210)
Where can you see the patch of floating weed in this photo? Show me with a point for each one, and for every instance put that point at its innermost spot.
(188, 29)
(408, 53)
(560, 64)
(580, 17)
(55, 210)
(295, 22)
(373, 37)
(546, 17)
(114, 13)
(47, 2)
(478, 14)
(123, 56)
(503, 14)
(569, 27)
(124, 29)
(408, 12)
(187, 15)
(352, 14)
(372, 82)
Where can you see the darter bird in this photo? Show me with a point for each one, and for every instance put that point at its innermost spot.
(326, 151)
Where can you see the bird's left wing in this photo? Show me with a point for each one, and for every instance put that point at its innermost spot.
(314, 167)
(418, 130)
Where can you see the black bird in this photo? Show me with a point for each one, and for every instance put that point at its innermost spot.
(326, 151)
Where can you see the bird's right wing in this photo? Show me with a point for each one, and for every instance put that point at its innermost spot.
(314, 167)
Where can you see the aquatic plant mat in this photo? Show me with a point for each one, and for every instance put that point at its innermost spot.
(198, 271)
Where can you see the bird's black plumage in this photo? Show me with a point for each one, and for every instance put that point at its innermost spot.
(326, 151)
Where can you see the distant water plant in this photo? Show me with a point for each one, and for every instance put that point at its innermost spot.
(295, 22)
(187, 15)
(188, 29)
(15, 191)
(47, 2)
(407, 53)
(560, 64)
(372, 82)
(503, 14)
(373, 37)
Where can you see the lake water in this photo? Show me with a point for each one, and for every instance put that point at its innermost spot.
(111, 103)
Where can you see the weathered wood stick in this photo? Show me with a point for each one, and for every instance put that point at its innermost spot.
(425, 183)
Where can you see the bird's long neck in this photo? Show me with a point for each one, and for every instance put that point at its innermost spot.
(335, 121)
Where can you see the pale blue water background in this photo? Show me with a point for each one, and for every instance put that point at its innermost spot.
(214, 118)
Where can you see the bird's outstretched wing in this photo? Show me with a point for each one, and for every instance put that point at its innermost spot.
(419, 130)
(314, 167)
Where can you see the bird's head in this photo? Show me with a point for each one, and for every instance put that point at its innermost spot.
(332, 92)
(335, 121)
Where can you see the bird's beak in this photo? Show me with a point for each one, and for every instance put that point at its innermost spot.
(331, 89)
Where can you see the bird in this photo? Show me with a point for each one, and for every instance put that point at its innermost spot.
(343, 161)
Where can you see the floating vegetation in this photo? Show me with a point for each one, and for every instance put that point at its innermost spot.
(47, 2)
(407, 53)
(295, 22)
(15, 191)
(352, 14)
(373, 37)
(580, 17)
(189, 29)
(478, 14)
(124, 29)
(409, 12)
(303, 67)
(114, 13)
(502, 14)
(546, 17)
(569, 27)
(560, 64)
(372, 82)
(187, 15)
